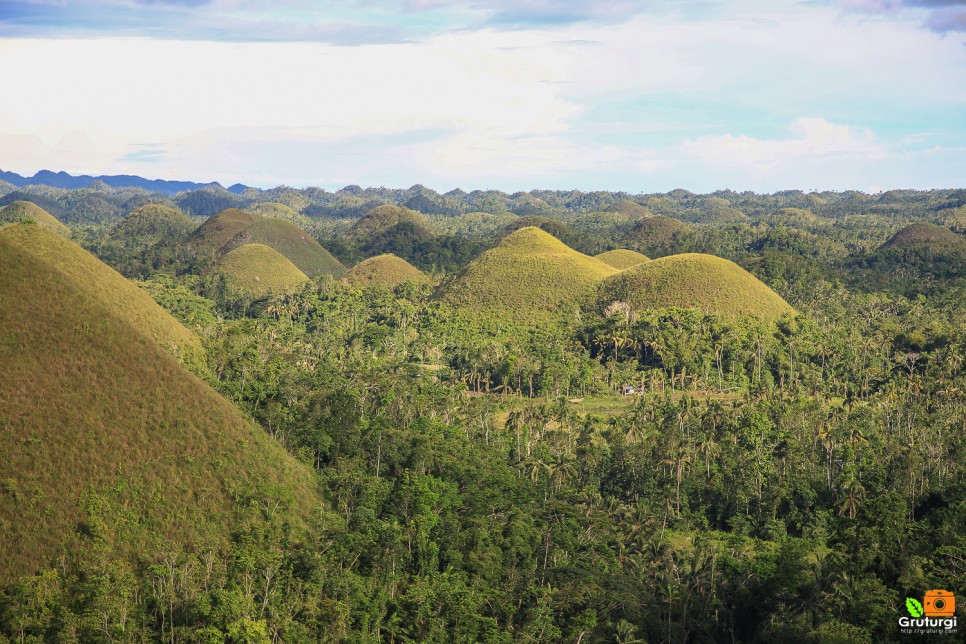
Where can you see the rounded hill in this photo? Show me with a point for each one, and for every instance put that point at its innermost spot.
(694, 280)
(558, 229)
(523, 279)
(151, 224)
(381, 219)
(28, 211)
(657, 230)
(218, 230)
(291, 241)
(383, 270)
(632, 209)
(258, 271)
(275, 210)
(923, 234)
(622, 259)
(92, 399)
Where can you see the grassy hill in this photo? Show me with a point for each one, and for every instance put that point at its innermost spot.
(383, 270)
(381, 219)
(657, 230)
(926, 235)
(257, 271)
(694, 280)
(274, 210)
(150, 225)
(525, 278)
(622, 259)
(630, 208)
(292, 242)
(91, 398)
(218, 230)
(27, 211)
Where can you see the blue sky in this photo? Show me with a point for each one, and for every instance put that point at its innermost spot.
(628, 95)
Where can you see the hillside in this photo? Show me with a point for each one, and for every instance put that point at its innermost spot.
(257, 271)
(291, 241)
(622, 259)
(27, 211)
(926, 235)
(381, 219)
(525, 278)
(275, 210)
(629, 208)
(150, 225)
(90, 400)
(218, 230)
(693, 280)
(657, 230)
(385, 271)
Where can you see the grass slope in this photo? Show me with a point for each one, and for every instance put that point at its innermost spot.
(291, 241)
(694, 280)
(258, 271)
(630, 208)
(622, 259)
(382, 218)
(922, 234)
(275, 210)
(151, 224)
(218, 230)
(89, 400)
(383, 270)
(27, 211)
(525, 278)
(657, 230)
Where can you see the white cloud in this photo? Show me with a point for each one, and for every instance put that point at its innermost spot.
(813, 139)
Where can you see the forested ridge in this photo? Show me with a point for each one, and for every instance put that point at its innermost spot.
(791, 477)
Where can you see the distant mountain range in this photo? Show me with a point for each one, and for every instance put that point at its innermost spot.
(70, 182)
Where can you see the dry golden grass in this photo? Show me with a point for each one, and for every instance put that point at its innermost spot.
(291, 241)
(27, 211)
(622, 259)
(525, 278)
(217, 231)
(89, 400)
(384, 271)
(694, 280)
(257, 271)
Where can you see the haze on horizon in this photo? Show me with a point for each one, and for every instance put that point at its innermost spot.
(633, 95)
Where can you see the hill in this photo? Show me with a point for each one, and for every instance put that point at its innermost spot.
(275, 210)
(558, 229)
(218, 230)
(630, 208)
(383, 270)
(150, 225)
(382, 219)
(28, 211)
(90, 400)
(257, 271)
(928, 236)
(525, 278)
(622, 259)
(694, 280)
(657, 231)
(291, 241)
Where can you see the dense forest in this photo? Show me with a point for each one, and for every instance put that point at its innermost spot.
(509, 439)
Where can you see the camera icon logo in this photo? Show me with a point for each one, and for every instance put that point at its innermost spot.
(939, 603)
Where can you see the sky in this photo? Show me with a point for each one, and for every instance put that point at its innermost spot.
(630, 95)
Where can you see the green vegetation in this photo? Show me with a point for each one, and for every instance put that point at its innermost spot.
(386, 271)
(693, 280)
(510, 456)
(27, 211)
(657, 235)
(92, 402)
(622, 259)
(630, 208)
(926, 235)
(292, 242)
(150, 225)
(381, 220)
(525, 278)
(256, 271)
(273, 210)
